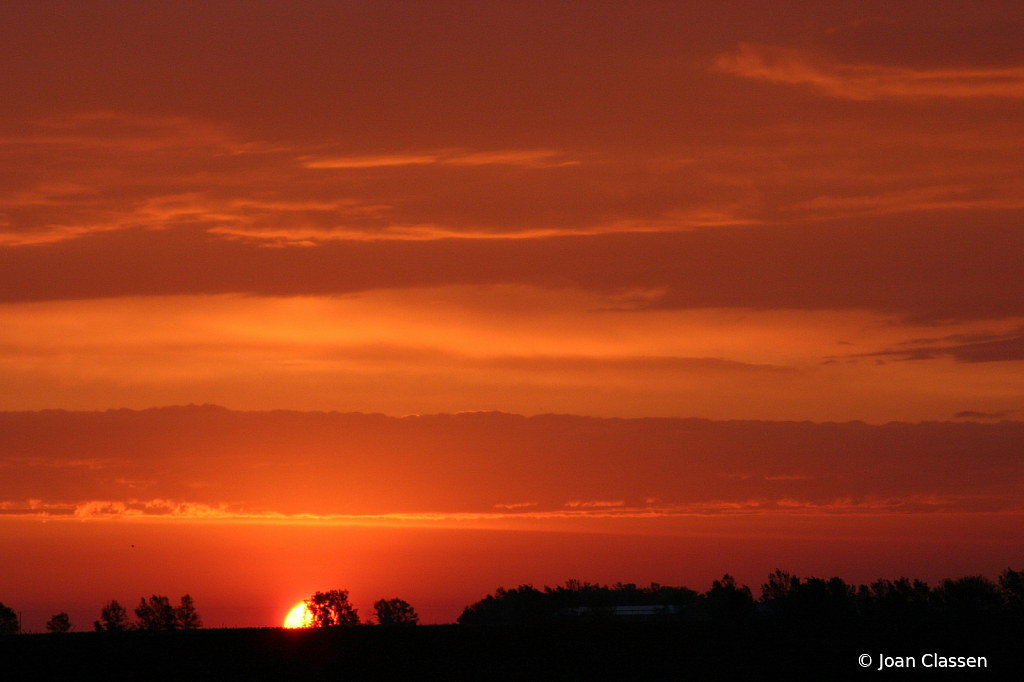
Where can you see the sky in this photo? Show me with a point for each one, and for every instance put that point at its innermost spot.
(504, 292)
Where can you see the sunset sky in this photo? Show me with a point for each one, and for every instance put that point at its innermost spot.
(488, 293)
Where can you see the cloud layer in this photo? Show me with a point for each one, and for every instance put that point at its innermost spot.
(208, 462)
(828, 163)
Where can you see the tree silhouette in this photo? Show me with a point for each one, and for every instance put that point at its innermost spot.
(186, 614)
(157, 614)
(778, 588)
(328, 609)
(972, 594)
(395, 612)
(113, 618)
(577, 600)
(59, 623)
(9, 624)
(895, 599)
(1011, 584)
(727, 600)
(521, 605)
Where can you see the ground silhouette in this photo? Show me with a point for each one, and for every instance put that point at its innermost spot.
(796, 629)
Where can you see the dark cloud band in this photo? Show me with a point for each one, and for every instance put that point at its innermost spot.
(924, 269)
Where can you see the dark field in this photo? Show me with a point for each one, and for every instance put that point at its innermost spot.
(623, 651)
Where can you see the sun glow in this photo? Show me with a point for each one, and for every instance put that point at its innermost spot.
(298, 617)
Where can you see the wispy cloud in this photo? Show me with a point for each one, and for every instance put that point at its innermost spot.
(118, 171)
(390, 232)
(937, 198)
(51, 234)
(164, 509)
(595, 503)
(118, 131)
(868, 81)
(526, 158)
(389, 229)
(371, 161)
(967, 348)
(156, 507)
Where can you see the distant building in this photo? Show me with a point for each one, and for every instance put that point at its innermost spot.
(627, 613)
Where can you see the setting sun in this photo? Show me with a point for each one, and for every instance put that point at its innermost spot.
(298, 617)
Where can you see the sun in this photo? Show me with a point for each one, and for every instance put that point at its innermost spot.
(298, 617)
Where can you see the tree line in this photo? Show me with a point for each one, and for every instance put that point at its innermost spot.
(156, 613)
(324, 609)
(783, 596)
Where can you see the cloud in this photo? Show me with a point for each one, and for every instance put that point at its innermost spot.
(92, 172)
(968, 348)
(156, 508)
(76, 175)
(526, 158)
(551, 365)
(371, 161)
(923, 269)
(906, 200)
(159, 509)
(287, 464)
(868, 81)
(118, 171)
(311, 236)
(117, 131)
(972, 414)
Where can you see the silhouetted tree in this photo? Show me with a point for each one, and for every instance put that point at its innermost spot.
(395, 612)
(1011, 585)
(776, 591)
(971, 594)
(59, 623)
(815, 598)
(528, 605)
(113, 618)
(186, 614)
(895, 599)
(521, 605)
(820, 598)
(157, 614)
(9, 624)
(327, 609)
(727, 600)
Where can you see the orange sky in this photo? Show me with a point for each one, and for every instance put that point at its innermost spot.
(726, 211)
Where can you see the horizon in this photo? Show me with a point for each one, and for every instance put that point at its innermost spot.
(297, 617)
